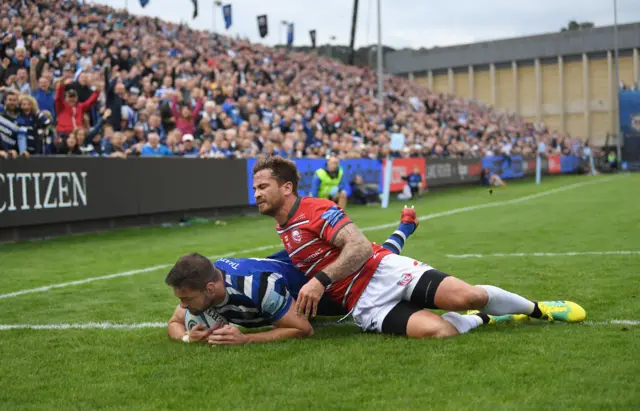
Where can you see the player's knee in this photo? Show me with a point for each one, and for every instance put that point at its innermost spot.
(477, 297)
(469, 298)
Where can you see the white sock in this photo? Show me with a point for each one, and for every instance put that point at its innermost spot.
(503, 302)
(463, 323)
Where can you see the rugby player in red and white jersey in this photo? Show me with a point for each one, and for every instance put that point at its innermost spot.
(384, 292)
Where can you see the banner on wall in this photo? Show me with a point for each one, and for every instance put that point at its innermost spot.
(554, 163)
(403, 167)
(52, 190)
(506, 167)
(441, 171)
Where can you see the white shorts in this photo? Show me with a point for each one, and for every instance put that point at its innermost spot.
(393, 281)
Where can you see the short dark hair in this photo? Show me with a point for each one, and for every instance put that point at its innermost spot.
(283, 170)
(192, 271)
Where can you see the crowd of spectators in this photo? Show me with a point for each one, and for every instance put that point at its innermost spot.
(85, 79)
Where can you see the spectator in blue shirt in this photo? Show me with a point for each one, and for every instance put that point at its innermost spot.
(153, 148)
(414, 180)
(44, 95)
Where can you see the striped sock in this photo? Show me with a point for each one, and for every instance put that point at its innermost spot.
(396, 241)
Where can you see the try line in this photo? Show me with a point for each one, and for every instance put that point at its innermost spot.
(567, 254)
(106, 325)
(268, 247)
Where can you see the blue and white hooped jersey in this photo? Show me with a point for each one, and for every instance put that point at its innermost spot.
(259, 291)
(279, 263)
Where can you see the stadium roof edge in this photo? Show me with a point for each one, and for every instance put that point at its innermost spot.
(567, 43)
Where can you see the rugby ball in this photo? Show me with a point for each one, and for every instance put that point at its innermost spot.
(205, 318)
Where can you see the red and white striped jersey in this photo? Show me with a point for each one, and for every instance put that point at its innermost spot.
(307, 237)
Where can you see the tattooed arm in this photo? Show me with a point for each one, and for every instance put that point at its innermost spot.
(355, 250)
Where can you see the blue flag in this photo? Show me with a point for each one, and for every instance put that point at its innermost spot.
(144, 3)
(290, 34)
(226, 13)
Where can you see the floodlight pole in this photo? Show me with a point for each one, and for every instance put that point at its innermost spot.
(619, 139)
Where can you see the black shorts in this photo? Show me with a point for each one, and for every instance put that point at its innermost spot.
(423, 296)
(329, 308)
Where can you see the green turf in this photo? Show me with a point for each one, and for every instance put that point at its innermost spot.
(525, 367)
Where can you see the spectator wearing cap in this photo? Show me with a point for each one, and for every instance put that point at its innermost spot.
(188, 148)
(69, 110)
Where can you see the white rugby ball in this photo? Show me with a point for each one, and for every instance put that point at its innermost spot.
(205, 318)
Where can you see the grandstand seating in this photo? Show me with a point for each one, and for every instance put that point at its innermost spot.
(104, 83)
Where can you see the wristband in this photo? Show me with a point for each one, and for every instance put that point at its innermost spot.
(323, 278)
(185, 338)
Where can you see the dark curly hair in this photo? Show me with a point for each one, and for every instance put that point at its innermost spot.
(282, 170)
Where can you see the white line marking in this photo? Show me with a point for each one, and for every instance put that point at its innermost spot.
(103, 325)
(567, 254)
(496, 204)
(106, 325)
(614, 322)
(267, 247)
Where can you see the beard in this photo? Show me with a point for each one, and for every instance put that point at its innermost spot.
(208, 303)
(270, 209)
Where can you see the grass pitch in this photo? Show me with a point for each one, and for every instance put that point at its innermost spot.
(525, 367)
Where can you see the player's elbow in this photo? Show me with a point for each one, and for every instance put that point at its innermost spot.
(365, 249)
(306, 332)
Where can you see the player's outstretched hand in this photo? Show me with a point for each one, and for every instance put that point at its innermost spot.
(199, 333)
(227, 335)
(309, 298)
